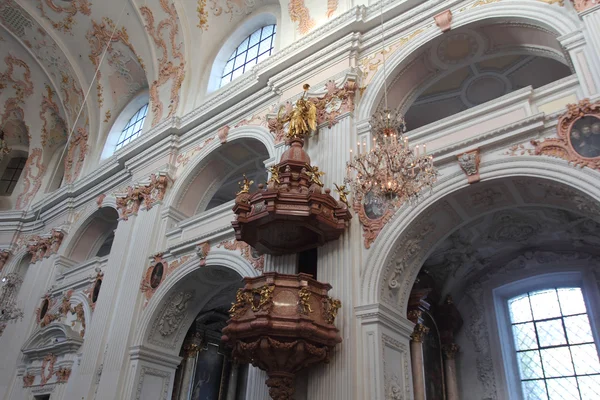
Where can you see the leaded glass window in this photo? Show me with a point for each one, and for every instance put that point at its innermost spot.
(255, 48)
(555, 349)
(11, 175)
(133, 128)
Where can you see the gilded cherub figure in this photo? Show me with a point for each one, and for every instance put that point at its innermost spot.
(343, 193)
(274, 175)
(314, 174)
(244, 185)
(302, 118)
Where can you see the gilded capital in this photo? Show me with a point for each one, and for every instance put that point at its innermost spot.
(415, 315)
(419, 333)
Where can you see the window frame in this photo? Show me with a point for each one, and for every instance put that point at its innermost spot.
(502, 294)
(126, 138)
(6, 167)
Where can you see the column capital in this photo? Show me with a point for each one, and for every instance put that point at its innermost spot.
(450, 350)
(419, 333)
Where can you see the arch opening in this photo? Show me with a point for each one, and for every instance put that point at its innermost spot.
(95, 237)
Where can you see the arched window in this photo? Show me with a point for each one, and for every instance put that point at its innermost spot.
(253, 49)
(11, 175)
(133, 128)
(554, 344)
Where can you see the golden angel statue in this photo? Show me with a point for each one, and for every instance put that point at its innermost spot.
(302, 118)
(314, 174)
(342, 192)
(244, 186)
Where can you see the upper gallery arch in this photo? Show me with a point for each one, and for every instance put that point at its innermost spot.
(537, 28)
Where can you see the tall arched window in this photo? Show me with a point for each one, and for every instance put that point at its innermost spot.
(133, 128)
(253, 49)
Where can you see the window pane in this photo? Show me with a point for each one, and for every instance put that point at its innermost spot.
(525, 338)
(579, 329)
(585, 358)
(563, 389)
(551, 333)
(530, 365)
(557, 362)
(589, 386)
(535, 390)
(571, 301)
(133, 128)
(545, 304)
(245, 56)
(520, 310)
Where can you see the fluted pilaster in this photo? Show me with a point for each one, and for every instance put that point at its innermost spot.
(591, 20)
(336, 265)
(142, 244)
(285, 264)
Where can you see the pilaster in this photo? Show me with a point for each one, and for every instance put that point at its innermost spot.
(88, 373)
(591, 21)
(575, 44)
(142, 244)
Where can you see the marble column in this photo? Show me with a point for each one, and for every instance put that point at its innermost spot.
(232, 382)
(416, 355)
(450, 351)
(88, 373)
(187, 379)
(141, 245)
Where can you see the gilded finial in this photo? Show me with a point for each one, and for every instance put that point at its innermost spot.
(244, 186)
(314, 174)
(343, 193)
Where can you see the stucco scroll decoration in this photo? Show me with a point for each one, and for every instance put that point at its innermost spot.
(28, 380)
(394, 389)
(47, 368)
(54, 132)
(71, 9)
(469, 163)
(300, 13)
(63, 374)
(332, 5)
(32, 178)
(409, 250)
(79, 141)
(171, 64)
(335, 102)
(174, 313)
(4, 254)
(582, 5)
(184, 158)
(371, 226)
(248, 252)
(129, 203)
(42, 247)
(570, 135)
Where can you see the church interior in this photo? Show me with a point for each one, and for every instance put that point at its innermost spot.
(299, 199)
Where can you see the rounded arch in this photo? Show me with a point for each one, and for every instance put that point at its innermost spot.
(217, 258)
(190, 172)
(87, 237)
(268, 15)
(549, 18)
(380, 265)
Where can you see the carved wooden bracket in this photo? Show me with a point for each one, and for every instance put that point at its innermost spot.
(578, 139)
(469, 162)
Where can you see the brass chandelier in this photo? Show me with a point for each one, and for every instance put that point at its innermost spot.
(390, 171)
(8, 294)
